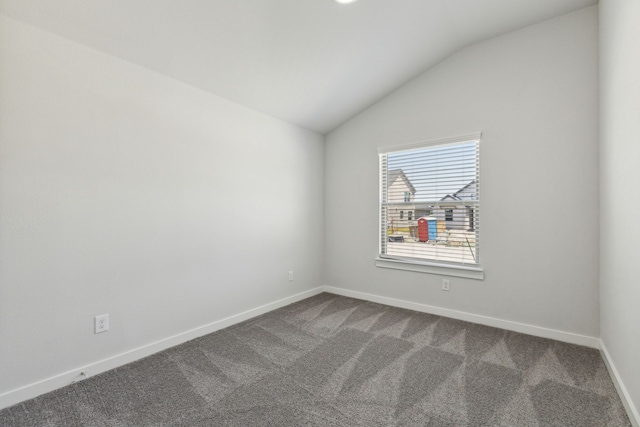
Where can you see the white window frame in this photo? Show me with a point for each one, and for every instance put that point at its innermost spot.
(471, 271)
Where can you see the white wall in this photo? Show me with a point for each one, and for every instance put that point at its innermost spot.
(128, 193)
(620, 205)
(533, 93)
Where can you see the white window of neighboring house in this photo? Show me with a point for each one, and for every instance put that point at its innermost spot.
(436, 173)
(410, 215)
(401, 214)
(407, 196)
(448, 214)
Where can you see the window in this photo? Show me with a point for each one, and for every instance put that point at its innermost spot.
(442, 180)
(448, 214)
(401, 214)
(410, 215)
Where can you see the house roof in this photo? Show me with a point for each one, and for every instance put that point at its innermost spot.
(455, 196)
(394, 174)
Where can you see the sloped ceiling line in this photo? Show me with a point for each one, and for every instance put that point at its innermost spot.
(312, 63)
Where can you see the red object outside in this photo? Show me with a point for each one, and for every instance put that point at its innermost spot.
(423, 230)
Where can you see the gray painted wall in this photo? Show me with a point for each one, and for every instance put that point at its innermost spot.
(110, 176)
(619, 177)
(534, 95)
(128, 193)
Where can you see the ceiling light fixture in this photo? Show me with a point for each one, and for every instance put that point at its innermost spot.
(345, 1)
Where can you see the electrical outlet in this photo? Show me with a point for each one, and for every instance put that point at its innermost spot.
(445, 284)
(291, 275)
(101, 323)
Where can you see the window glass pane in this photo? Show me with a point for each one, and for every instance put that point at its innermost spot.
(440, 183)
(448, 214)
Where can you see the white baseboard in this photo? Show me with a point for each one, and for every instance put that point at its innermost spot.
(46, 385)
(632, 411)
(538, 331)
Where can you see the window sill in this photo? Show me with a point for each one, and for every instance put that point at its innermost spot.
(439, 269)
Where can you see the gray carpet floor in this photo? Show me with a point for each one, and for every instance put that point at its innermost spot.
(336, 361)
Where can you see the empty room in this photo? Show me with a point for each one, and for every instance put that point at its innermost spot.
(319, 212)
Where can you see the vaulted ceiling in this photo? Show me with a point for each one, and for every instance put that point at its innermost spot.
(313, 63)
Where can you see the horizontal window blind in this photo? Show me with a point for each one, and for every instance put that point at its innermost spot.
(430, 203)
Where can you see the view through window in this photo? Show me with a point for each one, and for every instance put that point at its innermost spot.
(438, 186)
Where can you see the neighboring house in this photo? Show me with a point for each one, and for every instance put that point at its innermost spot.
(400, 190)
(457, 216)
(399, 187)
